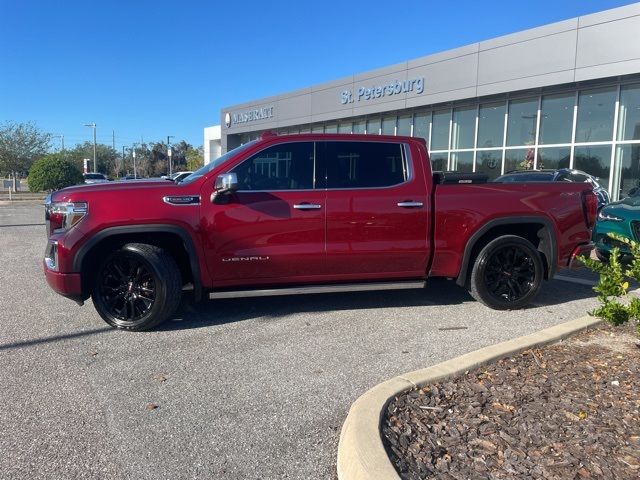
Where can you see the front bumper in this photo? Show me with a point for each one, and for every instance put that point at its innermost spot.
(66, 284)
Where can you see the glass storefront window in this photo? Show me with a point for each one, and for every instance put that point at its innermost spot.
(595, 160)
(554, 157)
(359, 126)
(389, 126)
(628, 159)
(491, 125)
(629, 114)
(438, 161)
(489, 162)
(521, 126)
(463, 127)
(519, 159)
(440, 130)
(461, 161)
(305, 129)
(556, 120)
(404, 125)
(373, 126)
(344, 127)
(421, 125)
(317, 129)
(595, 115)
(331, 128)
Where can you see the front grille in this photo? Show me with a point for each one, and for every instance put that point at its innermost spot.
(635, 228)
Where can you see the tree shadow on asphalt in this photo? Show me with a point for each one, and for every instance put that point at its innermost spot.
(438, 292)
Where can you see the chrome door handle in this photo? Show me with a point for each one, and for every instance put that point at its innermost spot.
(307, 206)
(410, 204)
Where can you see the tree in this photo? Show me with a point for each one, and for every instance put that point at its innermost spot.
(106, 157)
(20, 145)
(195, 158)
(52, 172)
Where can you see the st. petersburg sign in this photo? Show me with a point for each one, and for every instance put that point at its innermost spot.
(390, 89)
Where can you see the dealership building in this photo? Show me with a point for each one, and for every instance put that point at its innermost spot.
(565, 94)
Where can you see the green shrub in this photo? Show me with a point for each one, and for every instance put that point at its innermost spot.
(53, 173)
(616, 305)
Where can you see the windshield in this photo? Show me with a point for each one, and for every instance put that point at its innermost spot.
(94, 176)
(631, 201)
(218, 161)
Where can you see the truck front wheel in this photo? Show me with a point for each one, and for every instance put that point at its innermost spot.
(137, 287)
(507, 273)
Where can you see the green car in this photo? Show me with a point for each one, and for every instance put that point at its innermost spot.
(623, 218)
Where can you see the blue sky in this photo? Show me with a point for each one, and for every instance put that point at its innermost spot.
(156, 68)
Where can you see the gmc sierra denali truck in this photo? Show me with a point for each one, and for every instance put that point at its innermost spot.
(305, 214)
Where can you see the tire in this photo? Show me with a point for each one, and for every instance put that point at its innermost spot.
(137, 287)
(602, 255)
(507, 273)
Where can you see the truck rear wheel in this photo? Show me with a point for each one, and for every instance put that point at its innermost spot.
(137, 287)
(507, 273)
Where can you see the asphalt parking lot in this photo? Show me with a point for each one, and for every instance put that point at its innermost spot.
(255, 388)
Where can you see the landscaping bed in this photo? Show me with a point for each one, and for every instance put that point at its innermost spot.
(563, 411)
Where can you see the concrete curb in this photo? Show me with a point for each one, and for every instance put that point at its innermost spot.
(361, 453)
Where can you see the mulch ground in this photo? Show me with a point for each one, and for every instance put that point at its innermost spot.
(563, 411)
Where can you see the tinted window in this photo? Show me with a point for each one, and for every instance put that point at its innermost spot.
(363, 164)
(281, 167)
(94, 176)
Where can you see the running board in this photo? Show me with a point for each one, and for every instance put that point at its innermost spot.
(347, 287)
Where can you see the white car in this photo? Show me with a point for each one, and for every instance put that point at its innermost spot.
(92, 177)
(178, 176)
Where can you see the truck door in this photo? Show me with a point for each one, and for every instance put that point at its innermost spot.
(273, 226)
(377, 210)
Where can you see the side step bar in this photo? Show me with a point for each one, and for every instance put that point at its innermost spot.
(347, 287)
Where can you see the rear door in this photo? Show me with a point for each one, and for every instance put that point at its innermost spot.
(377, 210)
(273, 226)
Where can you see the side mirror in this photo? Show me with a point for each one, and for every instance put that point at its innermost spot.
(225, 183)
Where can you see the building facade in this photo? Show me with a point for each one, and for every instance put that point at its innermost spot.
(561, 95)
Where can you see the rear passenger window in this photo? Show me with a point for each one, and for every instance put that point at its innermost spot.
(288, 166)
(364, 164)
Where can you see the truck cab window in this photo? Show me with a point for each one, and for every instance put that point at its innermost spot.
(364, 164)
(281, 167)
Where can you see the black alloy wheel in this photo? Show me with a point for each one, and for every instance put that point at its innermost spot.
(137, 287)
(507, 273)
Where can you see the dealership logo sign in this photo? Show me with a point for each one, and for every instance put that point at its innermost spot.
(248, 116)
(395, 87)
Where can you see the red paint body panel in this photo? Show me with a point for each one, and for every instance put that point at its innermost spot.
(67, 284)
(259, 238)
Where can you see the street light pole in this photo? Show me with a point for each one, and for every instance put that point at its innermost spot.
(169, 152)
(133, 154)
(93, 125)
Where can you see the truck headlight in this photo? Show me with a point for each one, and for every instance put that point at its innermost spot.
(61, 216)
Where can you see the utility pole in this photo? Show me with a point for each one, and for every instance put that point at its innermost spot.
(133, 153)
(169, 152)
(113, 139)
(93, 125)
(123, 169)
(61, 137)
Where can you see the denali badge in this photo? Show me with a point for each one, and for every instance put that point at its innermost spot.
(182, 200)
(245, 259)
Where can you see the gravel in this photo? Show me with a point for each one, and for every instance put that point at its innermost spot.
(570, 410)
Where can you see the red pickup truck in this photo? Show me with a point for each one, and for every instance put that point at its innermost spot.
(305, 214)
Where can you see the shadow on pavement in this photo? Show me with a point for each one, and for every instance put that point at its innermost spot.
(438, 292)
(54, 338)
